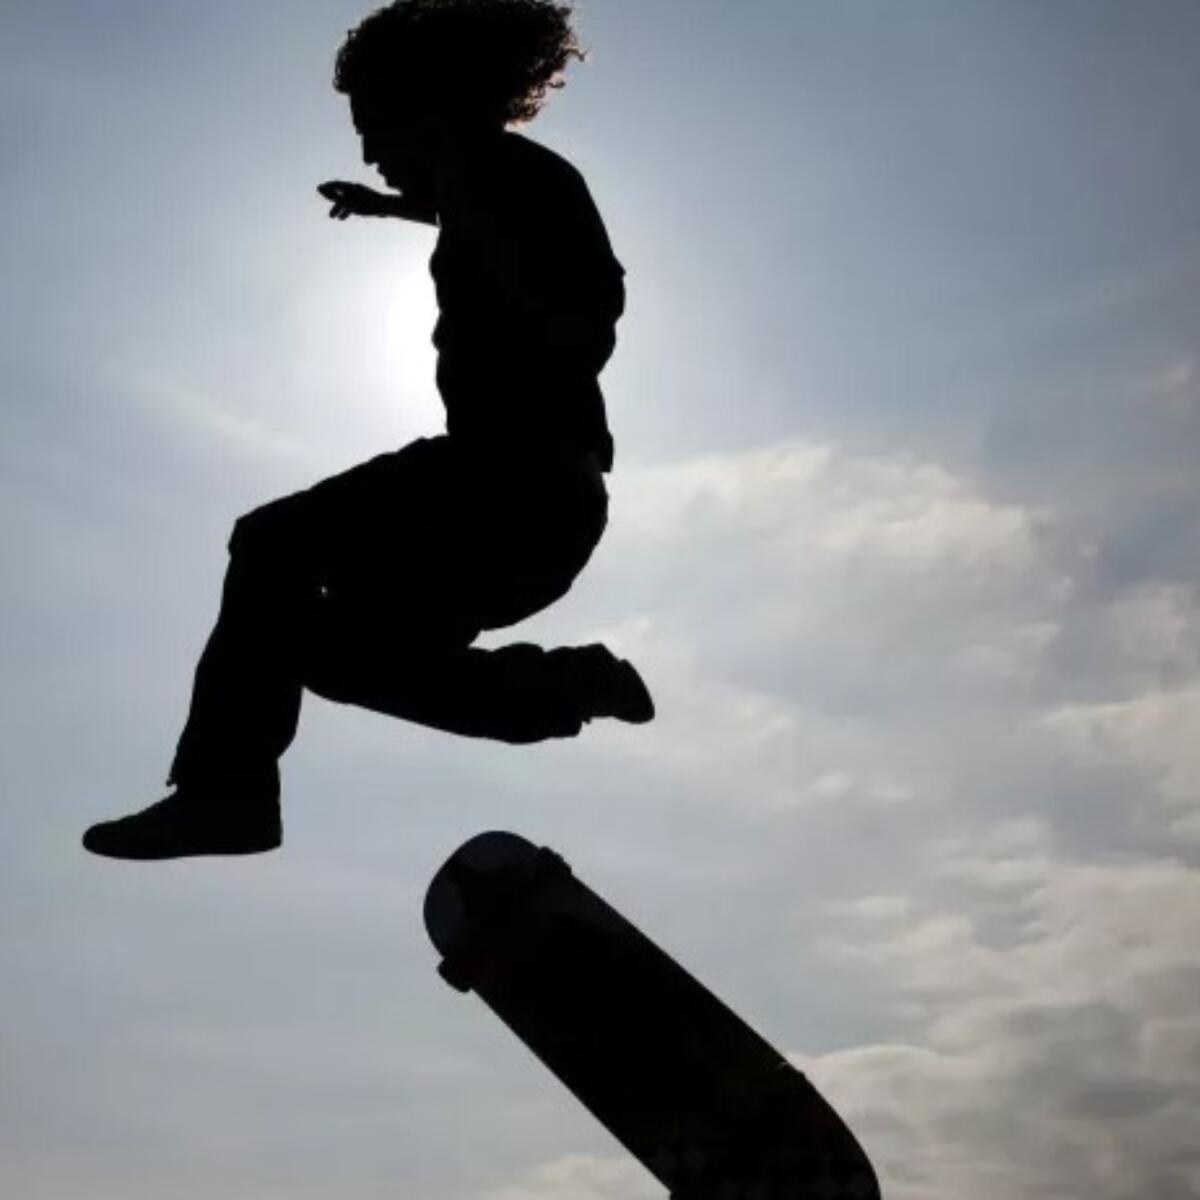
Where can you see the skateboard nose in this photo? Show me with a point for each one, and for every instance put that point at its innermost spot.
(477, 897)
(471, 887)
(482, 881)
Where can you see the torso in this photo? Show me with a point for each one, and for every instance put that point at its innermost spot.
(528, 223)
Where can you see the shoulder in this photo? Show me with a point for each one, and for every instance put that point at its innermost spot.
(511, 173)
(517, 187)
(533, 172)
(525, 153)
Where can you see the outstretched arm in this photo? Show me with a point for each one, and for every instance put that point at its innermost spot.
(355, 199)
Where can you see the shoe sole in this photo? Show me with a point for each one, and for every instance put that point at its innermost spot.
(148, 854)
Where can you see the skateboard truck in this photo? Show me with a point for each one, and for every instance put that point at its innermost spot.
(488, 900)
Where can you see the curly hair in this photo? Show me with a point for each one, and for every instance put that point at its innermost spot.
(495, 58)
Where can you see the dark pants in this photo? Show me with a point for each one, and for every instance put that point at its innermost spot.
(369, 589)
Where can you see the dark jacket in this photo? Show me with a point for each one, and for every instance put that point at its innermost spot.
(529, 294)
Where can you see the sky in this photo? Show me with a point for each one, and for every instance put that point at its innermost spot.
(905, 537)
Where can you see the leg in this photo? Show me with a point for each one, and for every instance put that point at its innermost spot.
(246, 698)
(518, 694)
(246, 695)
(286, 559)
(369, 588)
(502, 550)
(245, 704)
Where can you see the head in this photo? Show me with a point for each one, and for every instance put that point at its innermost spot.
(419, 73)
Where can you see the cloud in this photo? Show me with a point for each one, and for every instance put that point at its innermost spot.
(788, 603)
(1056, 1060)
(582, 1177)
(1153, 736)
(1141, 705)
(827, 626)
(818, 500)
(877, 650)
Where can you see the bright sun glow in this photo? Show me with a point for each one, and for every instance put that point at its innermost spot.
(363, 352)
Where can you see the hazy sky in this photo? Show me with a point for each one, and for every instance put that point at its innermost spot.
(905, 536)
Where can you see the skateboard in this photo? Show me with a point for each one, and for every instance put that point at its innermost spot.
(699, 1098)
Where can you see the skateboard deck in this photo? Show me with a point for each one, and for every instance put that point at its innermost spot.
(699, 1098)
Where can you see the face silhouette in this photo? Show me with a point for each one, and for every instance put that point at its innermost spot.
(400, 140)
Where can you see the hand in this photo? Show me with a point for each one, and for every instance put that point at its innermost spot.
(355, 199)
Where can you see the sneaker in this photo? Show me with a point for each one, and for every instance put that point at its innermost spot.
(614, 688)
(242, 818)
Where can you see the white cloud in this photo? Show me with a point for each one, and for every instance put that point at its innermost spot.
(940, 707)
(786, 603)
(1151, 735)
(1053, 1061)
(815, 500)
(582, 1177)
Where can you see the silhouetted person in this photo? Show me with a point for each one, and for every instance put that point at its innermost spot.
(370, 587)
